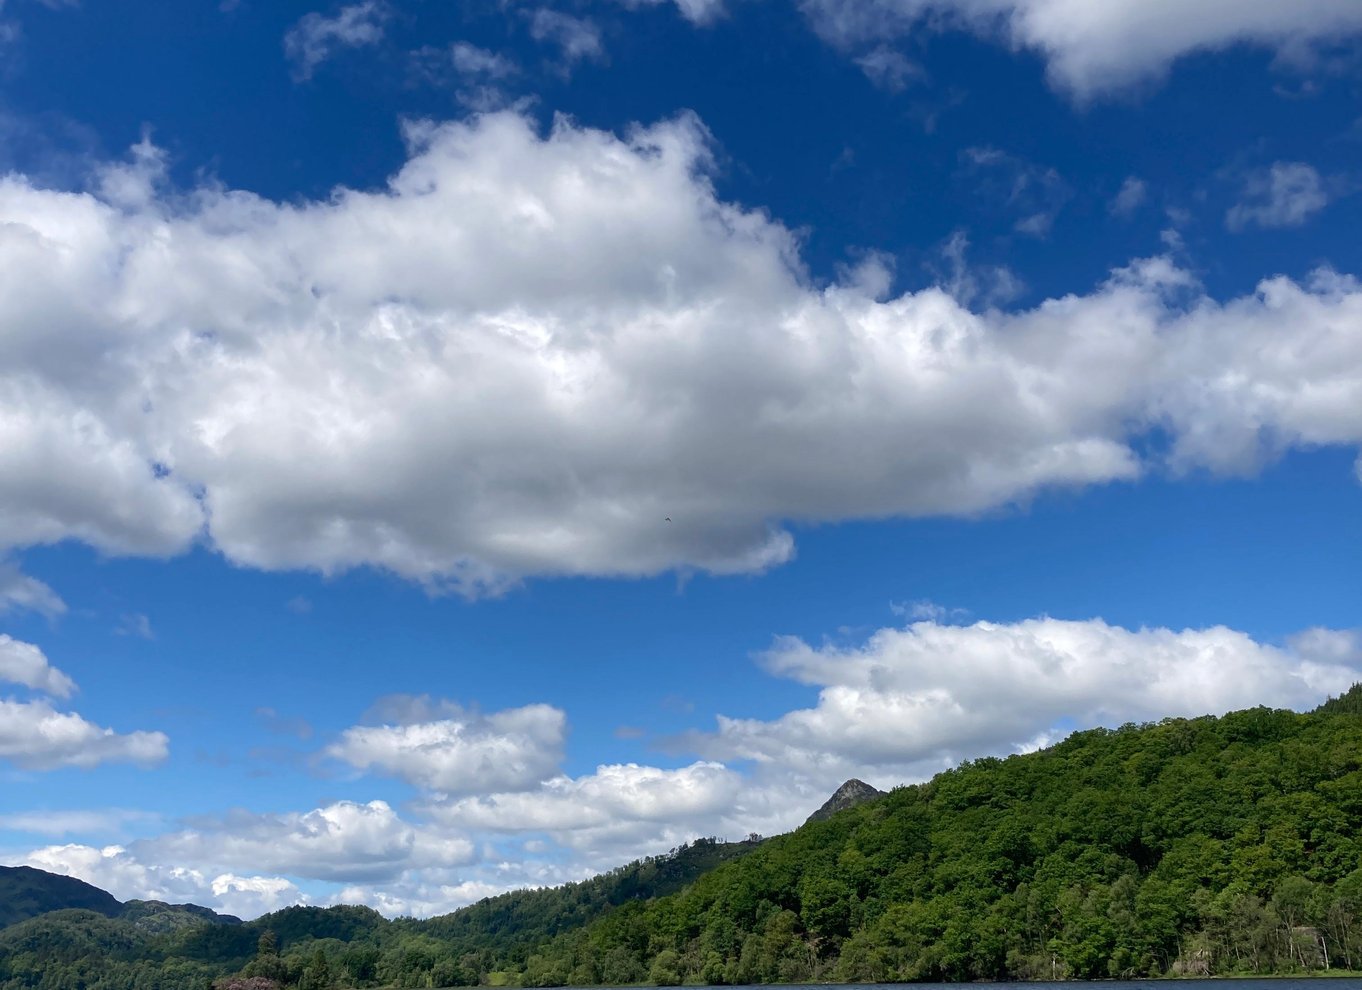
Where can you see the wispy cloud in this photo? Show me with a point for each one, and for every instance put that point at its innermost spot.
(577, 39)
(316, 37)
(1284, 195)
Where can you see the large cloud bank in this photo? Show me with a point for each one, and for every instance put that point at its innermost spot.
(529, 350)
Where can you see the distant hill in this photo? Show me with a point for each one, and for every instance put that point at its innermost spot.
(26, 893)
(849, 795)
(158, 916)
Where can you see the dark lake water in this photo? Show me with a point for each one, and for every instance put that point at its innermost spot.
(1320, 982)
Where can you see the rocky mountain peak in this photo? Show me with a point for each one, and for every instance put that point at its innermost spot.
(850, 794)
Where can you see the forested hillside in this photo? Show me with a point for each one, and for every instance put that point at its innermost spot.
(27, 893)
(1194, 846)
(1201, 846)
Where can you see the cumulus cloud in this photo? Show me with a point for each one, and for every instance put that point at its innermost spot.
(529, 350)
(23, 663)
(910, 701)
(345, 842)
(20, 591)
(459, 752)
(624, 811)
(316, 37)
(35, 736)
(1285, 195)
(621, 792)
(122, 874)
(1095, 48)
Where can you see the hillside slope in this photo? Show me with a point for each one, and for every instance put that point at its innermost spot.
(1202, 845)
(26, 893)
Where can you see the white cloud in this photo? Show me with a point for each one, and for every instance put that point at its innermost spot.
(345, 842)
(308, 385)
(1285, 195)
(696, 11)
(462, 752)
(889, 69)
(23, 663)
(470, 60)
(422, 900)
(19, 591)
(35, 736)
(624, 811)
(1129, 198)
(1092, 47)
(477, 75)
(577, 38)
(316, 37)
(900, 706)
(115, 869)
(913, 700)
(615, 793)
(135, 624)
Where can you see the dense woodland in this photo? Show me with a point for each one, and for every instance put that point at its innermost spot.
(1189, 847)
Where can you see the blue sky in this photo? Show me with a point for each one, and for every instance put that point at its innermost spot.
(445, 448)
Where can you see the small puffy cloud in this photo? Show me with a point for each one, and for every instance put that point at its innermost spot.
(699, 12)
(470, 60)
(316, 37)
(912, 700)
(20, 591)
(35, 736)
(135, 624)
(1285, 195)
(1129, 198)
(1091, 48)
(454, 751)
(23, 663)
(576, 38)
(890, 69)
(477, 75)
(345, 842)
